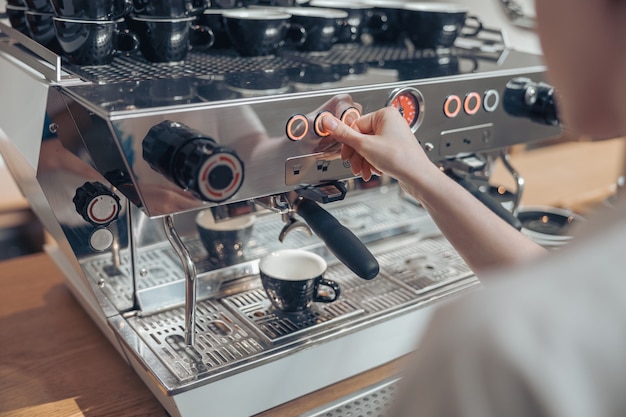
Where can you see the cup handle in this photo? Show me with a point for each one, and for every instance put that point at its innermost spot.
(327, 298)
(128, 7)
(201, 37)
(475, 29)
(127, 42)
(296, 35)
(139, 6)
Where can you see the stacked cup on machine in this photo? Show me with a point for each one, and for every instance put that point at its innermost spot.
(38, 16)
(92, 32)
(166, 29)
(16, 13)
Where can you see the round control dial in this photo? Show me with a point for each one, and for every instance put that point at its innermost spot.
(193, 161)
(410, 104)
(96, 203)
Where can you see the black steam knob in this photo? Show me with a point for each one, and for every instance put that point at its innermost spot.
(193, 161)
(533, 100)
(96, 203)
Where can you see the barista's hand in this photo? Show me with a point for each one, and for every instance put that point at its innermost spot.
(378, 142)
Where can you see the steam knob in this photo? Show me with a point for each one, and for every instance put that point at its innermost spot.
(193, 161)
(534, 100)
(96, 203)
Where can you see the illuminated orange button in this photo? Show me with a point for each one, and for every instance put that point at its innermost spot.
(472, 103)
(452, 106)
(317, 124)
(350, 111)
(297, 127)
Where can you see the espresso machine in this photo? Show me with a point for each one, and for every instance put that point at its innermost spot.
(131, 152)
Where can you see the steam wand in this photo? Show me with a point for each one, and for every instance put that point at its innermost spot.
(189, 269)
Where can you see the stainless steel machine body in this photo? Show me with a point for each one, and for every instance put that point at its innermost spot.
(105, 184)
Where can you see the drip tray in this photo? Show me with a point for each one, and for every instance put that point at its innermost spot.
(276, 326)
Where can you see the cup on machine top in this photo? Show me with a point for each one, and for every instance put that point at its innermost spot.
(94, 42)
(169, 8)
(92, 9)
(437, 25)
(169, 39)
(322, 26)
(259, 32)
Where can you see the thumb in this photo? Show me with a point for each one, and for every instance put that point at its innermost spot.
(340, 131)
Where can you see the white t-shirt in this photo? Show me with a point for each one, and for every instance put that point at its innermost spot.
(546, 339)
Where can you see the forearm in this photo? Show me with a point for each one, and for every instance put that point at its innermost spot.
(482, 238)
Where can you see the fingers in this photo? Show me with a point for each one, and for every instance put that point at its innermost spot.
(340, 131)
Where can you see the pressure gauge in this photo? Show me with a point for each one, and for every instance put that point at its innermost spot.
(410, 103)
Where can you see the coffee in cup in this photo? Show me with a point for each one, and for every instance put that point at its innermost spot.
(293, 279)
(225, 241)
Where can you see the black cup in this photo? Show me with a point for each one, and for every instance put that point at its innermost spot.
(437, 25)
(354, 25)
(293, 280)
(94, 42)
(224, 241)
(17, 18)
(259, 32)
(322, 26)
(42, 6)
(385, 23)
(41, 29)
(212, 18)
(92, 9)
(169, 39)
(169, 8)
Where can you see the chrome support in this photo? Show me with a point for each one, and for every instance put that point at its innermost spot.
(189, 269)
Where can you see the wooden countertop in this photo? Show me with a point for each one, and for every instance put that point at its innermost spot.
(55, 362)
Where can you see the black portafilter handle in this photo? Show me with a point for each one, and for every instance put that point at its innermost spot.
(486, 199)
(339, 239)
(532, 100)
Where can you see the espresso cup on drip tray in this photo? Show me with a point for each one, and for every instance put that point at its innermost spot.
(293, 279)
(225, 241)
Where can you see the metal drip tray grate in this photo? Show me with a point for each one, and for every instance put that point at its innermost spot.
(220, 340)
(238, 327)
(425, 265)
(276, 326)
(373, 401)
